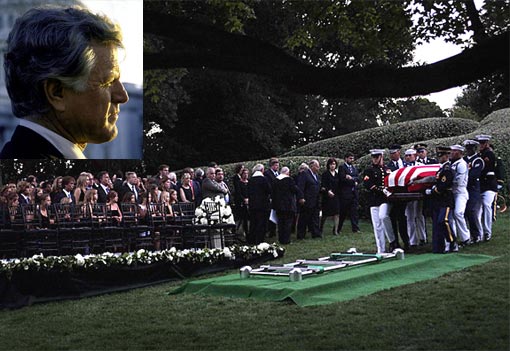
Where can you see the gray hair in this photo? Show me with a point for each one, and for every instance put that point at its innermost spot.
(199, 172)
(172, 176)
(285, 170)
(258, 167)
(303, 166)
(53, 43)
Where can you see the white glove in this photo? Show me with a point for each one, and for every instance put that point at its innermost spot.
(428, 191)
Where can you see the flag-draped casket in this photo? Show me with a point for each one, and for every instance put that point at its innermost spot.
(413, 178)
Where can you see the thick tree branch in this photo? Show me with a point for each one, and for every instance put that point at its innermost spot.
(477, 27)
(206, 46)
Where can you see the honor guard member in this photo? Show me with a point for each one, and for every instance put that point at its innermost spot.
(442, 203)
(422, 154)
(373, 180)
(474, 204)
(460, 193)
(488, 185)
(398, 209)
(414, 209)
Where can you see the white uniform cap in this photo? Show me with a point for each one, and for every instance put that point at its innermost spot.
(410, 152)
(457, 147)
(470, 142)
(482, 137)
(376, 151)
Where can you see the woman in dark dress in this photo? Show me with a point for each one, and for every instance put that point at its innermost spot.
(44, 212)
(113, 209)
(186, 189)
(330, 200)
(241, 214)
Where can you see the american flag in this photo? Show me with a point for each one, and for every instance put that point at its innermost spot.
(404, 176)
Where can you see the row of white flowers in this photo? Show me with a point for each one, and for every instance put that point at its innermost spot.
(140, 257)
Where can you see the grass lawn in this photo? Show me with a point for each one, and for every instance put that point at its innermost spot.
(462, 310)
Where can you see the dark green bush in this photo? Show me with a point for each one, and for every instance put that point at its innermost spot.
(359, 143)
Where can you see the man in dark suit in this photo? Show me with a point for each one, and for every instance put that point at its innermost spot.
(309, 184)
(103, 188)
(398, 209)
(284, 195)
(348, 192)
(259, 192)
(271, 173)
(131, 185)
(23, 189)
(25, 143)
(421, 151)
(68, 183)
(63, 103)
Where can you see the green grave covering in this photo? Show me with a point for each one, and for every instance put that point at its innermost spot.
(338, 285)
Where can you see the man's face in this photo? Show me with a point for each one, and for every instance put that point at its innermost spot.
(219, 176)
(456, 154)
(164, 172)
(90, 116)
(376, 159)
(315, 167)
(133, 179)
(349, 160)
(69, 186)
(275, 167)
(422, 153)
(395, 156)
(410, 158)
(484, 144)
(470, 150)
(105, 179)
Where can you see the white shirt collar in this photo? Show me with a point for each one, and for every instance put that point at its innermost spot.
(68, 149)
(281, 176)
(257, 174)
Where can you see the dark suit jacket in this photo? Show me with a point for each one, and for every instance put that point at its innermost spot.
(284, 195)
(22, 200)
(101, 195)
(25, 143)
(60, 195)
(347, 187)
(124, 189)
(310, 188)
(268, 173)
(392, 167)
(259, 191)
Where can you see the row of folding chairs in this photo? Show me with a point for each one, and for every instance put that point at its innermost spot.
(93, 229)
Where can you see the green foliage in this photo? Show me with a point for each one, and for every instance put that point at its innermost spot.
(487, 95)
(402, 133)
(463, 112)
(350, 33)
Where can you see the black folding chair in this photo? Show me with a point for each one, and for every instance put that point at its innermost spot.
(136, 232)
(10, 236)
(36, 238)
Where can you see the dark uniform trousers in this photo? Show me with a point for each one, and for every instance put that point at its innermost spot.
(442, 221)
(442, 208)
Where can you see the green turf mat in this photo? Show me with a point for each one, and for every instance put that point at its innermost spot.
(334, 286)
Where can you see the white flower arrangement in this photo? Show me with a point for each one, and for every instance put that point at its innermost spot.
(140, 257)
(202, 217)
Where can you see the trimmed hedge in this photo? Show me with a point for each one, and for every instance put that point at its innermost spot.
(359, 143)
(497, 124)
